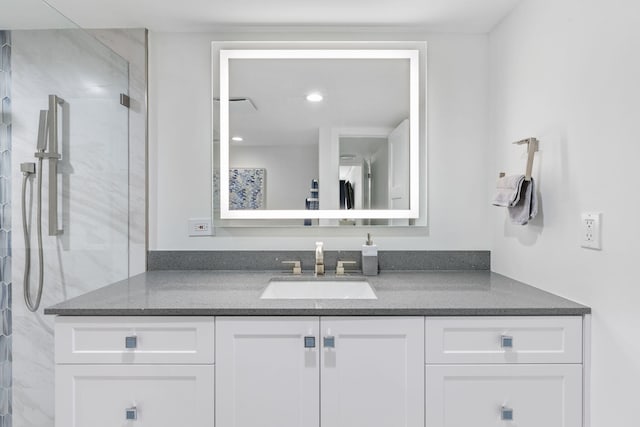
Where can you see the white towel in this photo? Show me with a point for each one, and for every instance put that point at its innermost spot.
(527, 207)
(508, 190)
(518, 196)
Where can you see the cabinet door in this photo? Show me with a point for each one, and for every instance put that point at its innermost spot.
(372, 372)
(504, 395)
(266, 377)
(142, 396)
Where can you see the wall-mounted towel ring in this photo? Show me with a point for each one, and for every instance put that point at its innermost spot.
(532, 147)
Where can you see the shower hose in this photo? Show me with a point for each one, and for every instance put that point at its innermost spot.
(32, 304)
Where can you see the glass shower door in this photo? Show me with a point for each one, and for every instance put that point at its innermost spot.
(85, 233)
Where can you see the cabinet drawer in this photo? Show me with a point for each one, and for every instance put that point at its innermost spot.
(128, 395)
(504, 395)
(504, 340)
(135, 340)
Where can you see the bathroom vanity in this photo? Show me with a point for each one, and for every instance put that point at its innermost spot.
(200, 348)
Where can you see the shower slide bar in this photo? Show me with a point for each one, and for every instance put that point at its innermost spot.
(47, 130)
(53, 156)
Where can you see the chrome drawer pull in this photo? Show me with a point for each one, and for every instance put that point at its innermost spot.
(506, 341)
(131, 413)
(131, 341)
(506, 414)
(329, 342)
(309, 342)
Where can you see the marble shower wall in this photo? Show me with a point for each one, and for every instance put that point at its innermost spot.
(94, 179)
(5, 229)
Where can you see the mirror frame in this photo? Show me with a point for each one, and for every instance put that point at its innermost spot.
(414, 133)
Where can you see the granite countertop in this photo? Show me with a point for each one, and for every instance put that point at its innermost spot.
(226, 293)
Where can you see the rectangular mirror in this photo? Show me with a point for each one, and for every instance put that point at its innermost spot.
(319, 134)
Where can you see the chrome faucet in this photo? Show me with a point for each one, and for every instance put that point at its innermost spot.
(319, 259)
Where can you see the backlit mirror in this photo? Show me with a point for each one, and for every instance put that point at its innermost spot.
(329, 135)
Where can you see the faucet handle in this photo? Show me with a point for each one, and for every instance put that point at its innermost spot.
(340, 267)
(297, 269)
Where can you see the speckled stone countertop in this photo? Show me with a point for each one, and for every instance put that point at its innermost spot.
(223, 293)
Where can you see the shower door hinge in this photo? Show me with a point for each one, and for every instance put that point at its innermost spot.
(125, 100)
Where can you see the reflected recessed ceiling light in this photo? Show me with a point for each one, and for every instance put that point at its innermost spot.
(314, 97)
(237, 138)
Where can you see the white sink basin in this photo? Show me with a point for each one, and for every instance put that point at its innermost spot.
(318, 289)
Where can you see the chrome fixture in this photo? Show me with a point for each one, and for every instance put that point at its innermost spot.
(340, 267)
(131, 342)
(297, 269)
(309, 342)
(532, 147)
(506, 414)
(125, 100)
(329, 341)
(319, 259)
(131, 413)
(47, 130)
(506, 341)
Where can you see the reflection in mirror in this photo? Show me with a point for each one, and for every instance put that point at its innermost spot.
(364, 172)
(319, 134)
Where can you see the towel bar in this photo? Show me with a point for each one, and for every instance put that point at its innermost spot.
(532, 147)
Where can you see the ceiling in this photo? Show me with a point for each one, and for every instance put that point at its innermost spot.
(467, 16)
(358, 93)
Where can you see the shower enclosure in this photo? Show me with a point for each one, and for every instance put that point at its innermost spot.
(85, 191)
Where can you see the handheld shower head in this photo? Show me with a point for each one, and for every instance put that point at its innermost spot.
(42, 131)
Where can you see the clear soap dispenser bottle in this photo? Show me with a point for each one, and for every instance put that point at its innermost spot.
(369, 258)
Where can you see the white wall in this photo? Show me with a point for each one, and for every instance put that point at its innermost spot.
(568, 72)
(180, 163)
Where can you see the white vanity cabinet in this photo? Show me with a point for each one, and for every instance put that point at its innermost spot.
(134, 371)
(320, 371)
(503, 371)
(327, 371)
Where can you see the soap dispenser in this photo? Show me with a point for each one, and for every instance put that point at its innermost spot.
(369, 258)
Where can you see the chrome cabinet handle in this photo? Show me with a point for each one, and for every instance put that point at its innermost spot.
(309, 342)
(506, 414)
(131, 413)
(329, 342)
(506, 341)
(131, 341)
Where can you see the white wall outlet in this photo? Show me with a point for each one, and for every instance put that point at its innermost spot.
(591, 231)
(200, 227)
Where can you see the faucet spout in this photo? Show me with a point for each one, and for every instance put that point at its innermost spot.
(319, 259)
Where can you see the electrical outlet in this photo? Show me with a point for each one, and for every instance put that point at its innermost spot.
(200, 227)
(591, 231)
